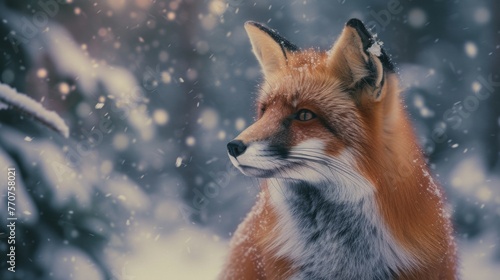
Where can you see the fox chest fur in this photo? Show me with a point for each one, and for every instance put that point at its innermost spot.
(346, 193)
(327, 237)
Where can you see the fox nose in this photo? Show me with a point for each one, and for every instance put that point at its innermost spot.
(236, 148)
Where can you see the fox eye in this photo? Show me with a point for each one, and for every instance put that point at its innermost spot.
(304, 115)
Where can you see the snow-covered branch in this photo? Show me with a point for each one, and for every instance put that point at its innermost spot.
(11, 98)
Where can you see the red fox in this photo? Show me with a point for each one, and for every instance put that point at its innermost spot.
(346, 192)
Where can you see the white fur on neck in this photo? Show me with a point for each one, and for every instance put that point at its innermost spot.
(354, 186)
(346, 188)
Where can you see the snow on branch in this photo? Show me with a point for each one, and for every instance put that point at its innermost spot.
(23, 103)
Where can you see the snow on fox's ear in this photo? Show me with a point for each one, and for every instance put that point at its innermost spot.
(269, 47)
(358, 59)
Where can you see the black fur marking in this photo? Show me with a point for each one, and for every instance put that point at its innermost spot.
(367, 40)
(284, 43)
(329, 127)
(338, 233)
(372, 78)
(366, 37)
(386, 61)
(287, 122)
(280, 151)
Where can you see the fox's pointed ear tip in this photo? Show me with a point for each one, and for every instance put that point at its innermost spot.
(360, 28)
(252, 23)
(355, 23)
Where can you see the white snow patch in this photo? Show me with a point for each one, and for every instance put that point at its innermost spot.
(128, 193)
(376, 47)
(188, 253)
(178, 162)
(60, 174)
(24, 203)
(67, 262)
(433, 188)
(70, 60)
(99, 106)
(468, 174)
(477, 258)
(24, 103)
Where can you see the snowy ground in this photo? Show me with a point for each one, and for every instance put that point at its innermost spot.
(189, 253)
(477, 259)
(193, 253)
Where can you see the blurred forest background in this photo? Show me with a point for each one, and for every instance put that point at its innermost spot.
(153, 90)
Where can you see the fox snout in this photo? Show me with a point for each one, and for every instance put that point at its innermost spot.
(236, 148)
(254, 158)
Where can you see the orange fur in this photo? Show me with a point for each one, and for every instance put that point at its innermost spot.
(250, 256)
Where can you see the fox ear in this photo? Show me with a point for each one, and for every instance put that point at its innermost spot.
(358, 59)
(269, 47)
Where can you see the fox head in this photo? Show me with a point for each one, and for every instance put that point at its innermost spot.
(316, 110)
